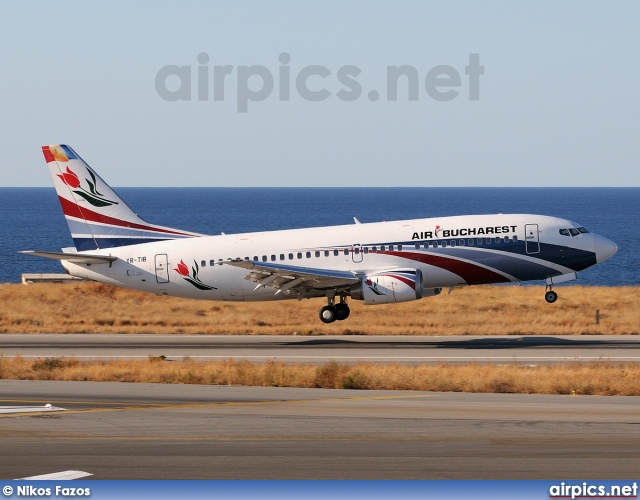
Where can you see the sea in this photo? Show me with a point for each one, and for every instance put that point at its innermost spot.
(31, 218)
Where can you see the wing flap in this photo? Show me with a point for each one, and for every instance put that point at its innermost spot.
(285, 278)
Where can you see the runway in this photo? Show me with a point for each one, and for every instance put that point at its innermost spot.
(154, 431)
(410, 350)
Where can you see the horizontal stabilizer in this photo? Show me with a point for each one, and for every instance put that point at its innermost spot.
(77, 258)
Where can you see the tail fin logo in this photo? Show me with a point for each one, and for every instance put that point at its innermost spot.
(93, 196)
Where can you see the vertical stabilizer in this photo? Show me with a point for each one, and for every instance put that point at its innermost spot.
(96, 215)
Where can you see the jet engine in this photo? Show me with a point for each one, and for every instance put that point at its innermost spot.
(387, 287)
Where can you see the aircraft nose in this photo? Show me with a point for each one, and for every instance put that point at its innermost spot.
(604, 247)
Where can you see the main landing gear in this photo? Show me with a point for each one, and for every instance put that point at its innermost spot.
(550, 296)
(332, 312)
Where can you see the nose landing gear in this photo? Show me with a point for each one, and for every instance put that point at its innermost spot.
(550, 296)
(332, 312)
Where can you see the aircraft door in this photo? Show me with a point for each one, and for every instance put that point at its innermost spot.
(162, 268)
(531, 238)
(356, 253)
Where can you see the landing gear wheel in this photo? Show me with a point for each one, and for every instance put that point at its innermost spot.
(551, 296)
(342, 311)
(328, 314)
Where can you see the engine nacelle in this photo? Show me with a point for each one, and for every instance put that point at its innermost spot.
(386, 287)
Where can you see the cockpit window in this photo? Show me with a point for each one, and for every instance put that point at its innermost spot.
(574, 231)
(564, 232)
(582, 230)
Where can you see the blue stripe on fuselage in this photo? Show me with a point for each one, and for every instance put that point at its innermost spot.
(572, 258)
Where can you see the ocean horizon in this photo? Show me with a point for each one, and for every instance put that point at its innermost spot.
(33, 220)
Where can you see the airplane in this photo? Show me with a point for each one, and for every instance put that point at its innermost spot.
(377, 263)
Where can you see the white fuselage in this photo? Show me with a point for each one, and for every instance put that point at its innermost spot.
(450, 251)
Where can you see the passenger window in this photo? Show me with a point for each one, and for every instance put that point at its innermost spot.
(203, 263)
(365, 250)
(326, 253)
(273, 258)
(564, 232)
(443, 244)
(417, 246)
(346, 251)
(461, 243)
(515, 238)
(219, 262)
(391, 248)
(264, 258)
(470, 242)
(399, 248)
(336, 253)
(308, 255)
(356, 250)
(479, 241)
(506, 239)
(255, 258)
(452, 243)
(426, 244)
(212, 262)
(299, 255)
(281, 256)
(317, 254)
(382, 248)
(290, 256)
(435, 244)
(374, 250)
(574, 232)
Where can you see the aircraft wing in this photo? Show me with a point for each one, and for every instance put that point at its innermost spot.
(77, 258)
(284, 277)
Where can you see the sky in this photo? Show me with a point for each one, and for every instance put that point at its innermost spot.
(494, 93)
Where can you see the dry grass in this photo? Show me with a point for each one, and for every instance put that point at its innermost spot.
(579, 378)
(480, 310)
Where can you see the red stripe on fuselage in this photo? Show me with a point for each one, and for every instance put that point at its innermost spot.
(73, 210)
(471, 273)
